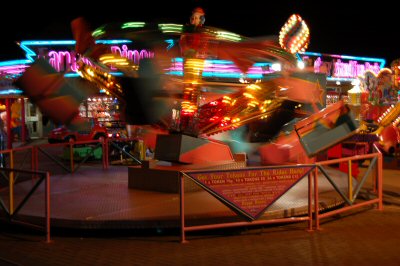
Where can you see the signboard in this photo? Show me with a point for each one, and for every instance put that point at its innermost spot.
(341, 66)
(250, 191)
(62, 56)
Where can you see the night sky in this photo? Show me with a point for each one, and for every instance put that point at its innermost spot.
(342, 27)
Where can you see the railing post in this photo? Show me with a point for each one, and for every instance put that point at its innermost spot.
(310, 201)
(11, 182)
(182, 206)
(105, 153)
(37, 159)
(71, 156)
(47, 207)
(316, 198)
(380, 180)
(33, 160)
(350, 181)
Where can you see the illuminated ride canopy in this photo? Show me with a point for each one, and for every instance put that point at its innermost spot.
(228, 81)
(231, 80)
(233, 75)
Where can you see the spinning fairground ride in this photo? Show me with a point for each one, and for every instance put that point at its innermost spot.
(219, 102)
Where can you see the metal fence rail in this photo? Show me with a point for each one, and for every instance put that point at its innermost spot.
(351, 199)
(11, 212)
(315, 212)
(256, 221)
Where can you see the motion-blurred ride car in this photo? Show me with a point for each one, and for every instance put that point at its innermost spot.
(389, 139)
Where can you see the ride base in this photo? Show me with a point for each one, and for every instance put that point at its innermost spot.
(164, 176)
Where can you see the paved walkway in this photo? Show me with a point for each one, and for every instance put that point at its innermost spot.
(366, 238)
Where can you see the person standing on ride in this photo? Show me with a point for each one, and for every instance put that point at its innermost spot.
(193, 44)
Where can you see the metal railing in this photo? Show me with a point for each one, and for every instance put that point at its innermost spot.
(315, 212)
(11, 212)
(184, 228)
(374, 169)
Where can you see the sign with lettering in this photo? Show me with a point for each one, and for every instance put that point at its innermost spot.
(341, 66)
(62, 56)
(250, 191)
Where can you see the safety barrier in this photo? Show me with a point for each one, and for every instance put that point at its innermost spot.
(73, 166)
(10, 160)
(271, 181)
(11, 213)
(315, 212)
(351, 196)
(121, 146)
(107, 146)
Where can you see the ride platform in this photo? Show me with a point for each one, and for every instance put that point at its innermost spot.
(93, 198)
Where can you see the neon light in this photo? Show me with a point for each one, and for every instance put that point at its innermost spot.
(99, 31)
(14, 62)
(340, 79)
(66, 60)
(31, 55)
(74, 75)
(357, 58)
(71, 75)
(219, 75)
(69, 42)
(334, 66)
(171, 28)
(113, 41)
(116, 73)
(62, 60)
(352, 69)
(223, 69)
(224, 35)
(171, 43)
(11, 91)
(12, 69)
(133, 55)
(43, 43)
(133, 25)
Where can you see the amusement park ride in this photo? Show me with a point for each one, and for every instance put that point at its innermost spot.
(199, 116)
(246, 139)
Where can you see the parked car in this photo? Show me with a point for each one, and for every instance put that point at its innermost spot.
(91, 129)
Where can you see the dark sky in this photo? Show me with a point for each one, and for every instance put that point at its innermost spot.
(349, 27)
